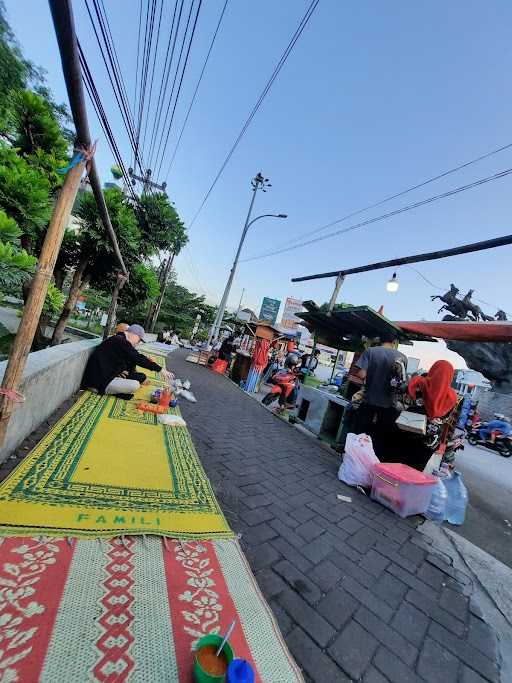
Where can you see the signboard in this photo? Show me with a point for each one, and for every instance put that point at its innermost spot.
(269, 309)
(291, 307)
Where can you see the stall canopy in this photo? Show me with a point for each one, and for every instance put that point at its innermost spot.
(344, 328)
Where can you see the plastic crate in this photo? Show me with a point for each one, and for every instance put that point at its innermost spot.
(402, 488)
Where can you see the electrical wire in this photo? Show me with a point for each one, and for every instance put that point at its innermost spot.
(398, 194)
(403, 209)
(102, 117)
(302, 24)
(137, 69)
(176, 99)
(153, 74)
(175, 78)
(166, 72)
(445, 289)
(111, 63)
(196, 88)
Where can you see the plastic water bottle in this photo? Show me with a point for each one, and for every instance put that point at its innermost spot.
(457, 499)
(437, 509)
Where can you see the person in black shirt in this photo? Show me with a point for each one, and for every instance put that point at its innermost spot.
(110, 369)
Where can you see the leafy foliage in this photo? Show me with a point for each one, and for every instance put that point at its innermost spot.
(141, 288)
(24, 192)
(54, 301)
(15, 263)
(160, 225)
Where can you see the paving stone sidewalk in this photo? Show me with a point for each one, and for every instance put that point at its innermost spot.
(359, 594)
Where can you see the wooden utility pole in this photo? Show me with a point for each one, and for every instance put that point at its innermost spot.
(155, 308)
(121, 279)
(41, 280)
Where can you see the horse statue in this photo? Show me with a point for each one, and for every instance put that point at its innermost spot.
(473, 311)
(501, 315)
(451, 303)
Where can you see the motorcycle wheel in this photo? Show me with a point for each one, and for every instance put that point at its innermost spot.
(504, 450)
(268, 399)
(472, 439)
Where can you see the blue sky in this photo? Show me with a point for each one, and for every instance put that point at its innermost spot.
(374, 98)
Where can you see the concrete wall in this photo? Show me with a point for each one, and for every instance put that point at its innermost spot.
(51, 376)
(490, 402)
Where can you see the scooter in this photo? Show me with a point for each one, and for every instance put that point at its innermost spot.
(284, 381)
(502, 444)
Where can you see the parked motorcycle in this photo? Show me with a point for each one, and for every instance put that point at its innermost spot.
(284, 381)
(502, 444)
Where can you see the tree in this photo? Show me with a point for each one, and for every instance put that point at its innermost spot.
(165, 235)
(180, 308)
(15, 263)
(93, 256)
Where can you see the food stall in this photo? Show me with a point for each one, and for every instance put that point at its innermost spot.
(321, 409)
(252, 355)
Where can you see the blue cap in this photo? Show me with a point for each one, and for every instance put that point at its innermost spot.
(240, 671)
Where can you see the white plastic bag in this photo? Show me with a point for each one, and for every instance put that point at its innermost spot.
(358, 461)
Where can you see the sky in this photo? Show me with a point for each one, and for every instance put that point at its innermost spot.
(374, 98)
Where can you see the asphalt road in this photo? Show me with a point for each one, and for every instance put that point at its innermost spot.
(488, 524)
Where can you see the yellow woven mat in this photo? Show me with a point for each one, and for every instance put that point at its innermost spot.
(107, 469)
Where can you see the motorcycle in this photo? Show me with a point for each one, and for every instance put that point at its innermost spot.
(284, 381)
(502, 444)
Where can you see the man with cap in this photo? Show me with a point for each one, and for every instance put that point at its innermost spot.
(110, 369)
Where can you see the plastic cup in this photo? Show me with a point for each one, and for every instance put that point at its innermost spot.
(202, 676)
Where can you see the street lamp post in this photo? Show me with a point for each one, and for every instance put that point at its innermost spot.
(258, 182)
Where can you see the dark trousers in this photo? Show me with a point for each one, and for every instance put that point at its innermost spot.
(379, 424)
(139, 376)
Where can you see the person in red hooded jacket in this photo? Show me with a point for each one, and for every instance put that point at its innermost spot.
(431, 395)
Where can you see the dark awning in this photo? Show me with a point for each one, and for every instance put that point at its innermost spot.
(345, 327)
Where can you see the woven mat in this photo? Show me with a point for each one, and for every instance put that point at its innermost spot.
(130, 611)
(107, 469)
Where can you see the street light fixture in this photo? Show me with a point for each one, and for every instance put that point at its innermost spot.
(257, 183)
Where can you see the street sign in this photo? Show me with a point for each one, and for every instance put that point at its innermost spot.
(291, 307)
(269, 309)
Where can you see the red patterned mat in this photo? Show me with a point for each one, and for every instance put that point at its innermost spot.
(129, 610)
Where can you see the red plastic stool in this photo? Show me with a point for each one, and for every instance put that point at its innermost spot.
(219, 366)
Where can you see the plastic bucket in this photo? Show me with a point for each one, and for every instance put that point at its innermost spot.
(219, 366)
(202, 676)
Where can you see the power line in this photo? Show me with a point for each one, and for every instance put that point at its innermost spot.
(176, 97)
(399, 194)
(153, 73)
(180, 84)
(403, 209)
(305, 19)
(165, 76)
(196, 88)
(114, 73)
(445, 289)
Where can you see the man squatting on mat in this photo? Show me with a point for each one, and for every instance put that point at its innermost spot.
(111, 367)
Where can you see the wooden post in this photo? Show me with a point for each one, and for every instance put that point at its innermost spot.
(121, 279)
(339, 281)
(163, 286)
(32, 310)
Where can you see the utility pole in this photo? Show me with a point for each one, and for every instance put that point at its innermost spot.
(258, 183)
(146, 181)
(239, 304)
(33, 307)
(155, 308)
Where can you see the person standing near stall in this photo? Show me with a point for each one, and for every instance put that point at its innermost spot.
(376, 415)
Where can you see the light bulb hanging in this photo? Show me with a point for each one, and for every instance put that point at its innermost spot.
(392, 284)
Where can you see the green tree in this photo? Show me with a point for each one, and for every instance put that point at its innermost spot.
(24, 194)
(15, 263)
(93, 259)
(180, 308)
